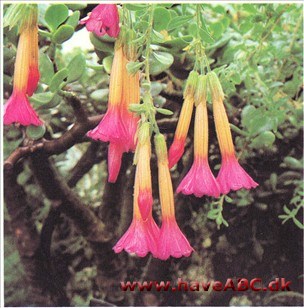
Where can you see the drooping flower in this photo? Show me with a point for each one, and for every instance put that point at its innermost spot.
(142, 161)
(231, 175)
(103, 19)
(177, 148)
(119, 125)
(18, 109)
(131, 90)
(142, 235)
(34, 74)
(200, 181)
(111, 128)
(171, 242)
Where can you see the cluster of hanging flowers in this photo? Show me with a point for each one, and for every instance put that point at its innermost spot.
(26, 74)
(200, 180)
(127, 131)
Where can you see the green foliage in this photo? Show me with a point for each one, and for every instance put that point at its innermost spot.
(297, 203)
(35, 132)
(55, 15)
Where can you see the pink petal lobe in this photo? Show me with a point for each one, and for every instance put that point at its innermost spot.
(103, 19)
(199, 181)
(18, 110)
(172, 242)
(140, 238)
(110, 128)
(233, 177)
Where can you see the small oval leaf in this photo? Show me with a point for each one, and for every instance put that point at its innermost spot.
(55, 15)
(76, 68)
(62, 34)
(57, 79)
(35, 132)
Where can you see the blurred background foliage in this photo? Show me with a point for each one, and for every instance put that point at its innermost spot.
(257, 50)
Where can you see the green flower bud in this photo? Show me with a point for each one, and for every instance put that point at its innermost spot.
(201, 90)
(161, 147)
(215, 86)
(191, 84)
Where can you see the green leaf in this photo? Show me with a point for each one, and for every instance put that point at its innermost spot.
(62, 34)
(138, 108)
(236, 78)
(178, 43)
(55, 15)
(228, 199)
(136, 7)
(247, 114)
(8, 53)
(286, 209)
(46, 68)
(246, 26)
(265, 139)
(42, 98)
(53, 103)
(100, 95)
(293, 163)
(205, 36)
(156, 88)
(57, 79)
(164, 111)
(35, 132)
(178, 21)
(298, 223)
(161, 18)
(134, 67)
(107, 63)
(76, 6)
(249, 8)
(76, 68)
(73, 19)
(45, 100)
(101, 45)
(217, 29)
(160, 61)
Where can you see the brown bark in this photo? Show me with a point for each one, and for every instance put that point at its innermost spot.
(27, 240)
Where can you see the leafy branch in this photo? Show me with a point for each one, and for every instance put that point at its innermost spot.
(298, 203)
(216, 211)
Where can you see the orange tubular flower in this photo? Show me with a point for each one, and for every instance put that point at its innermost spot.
(34, 74)
(172, 242)
(177, 148)
(142, 160)
(119, 125)
(131, 95)
(26, 74)
(142, 235)
(231, 175)
(111, 126)
(200, 180)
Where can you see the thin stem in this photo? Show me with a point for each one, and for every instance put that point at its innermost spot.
(148, 43)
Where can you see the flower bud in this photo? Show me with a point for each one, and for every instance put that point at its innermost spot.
(161, 147)
(144, 133)
(191, 84)
(215, 87)
(201, 90)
